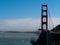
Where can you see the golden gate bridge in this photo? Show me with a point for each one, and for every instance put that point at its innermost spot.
(46, 37)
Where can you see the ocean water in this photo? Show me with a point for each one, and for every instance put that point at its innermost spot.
(17, 38)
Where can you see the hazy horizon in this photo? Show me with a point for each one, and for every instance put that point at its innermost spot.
(24, 15)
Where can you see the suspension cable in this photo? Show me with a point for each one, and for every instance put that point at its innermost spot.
(49, 15)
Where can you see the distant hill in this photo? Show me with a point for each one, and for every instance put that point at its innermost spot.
(56, 29)
(34, 32)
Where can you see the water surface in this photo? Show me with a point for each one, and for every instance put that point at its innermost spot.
(17, 38)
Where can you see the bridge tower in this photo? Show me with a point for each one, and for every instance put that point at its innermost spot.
(44, 18)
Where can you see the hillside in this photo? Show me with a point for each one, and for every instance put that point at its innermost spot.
(56, 29)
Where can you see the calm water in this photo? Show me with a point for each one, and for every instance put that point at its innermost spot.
(17, 38)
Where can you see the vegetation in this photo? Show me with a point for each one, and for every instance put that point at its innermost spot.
(56, 29)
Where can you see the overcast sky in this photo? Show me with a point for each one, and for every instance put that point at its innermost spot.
(24, 15)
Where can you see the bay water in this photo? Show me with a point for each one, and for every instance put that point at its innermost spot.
(17, 38)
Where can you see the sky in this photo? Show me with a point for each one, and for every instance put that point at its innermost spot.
(24, 15)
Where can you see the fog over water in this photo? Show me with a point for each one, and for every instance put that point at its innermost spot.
(26, 24)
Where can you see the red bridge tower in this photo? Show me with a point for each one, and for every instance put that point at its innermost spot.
(44, 18)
